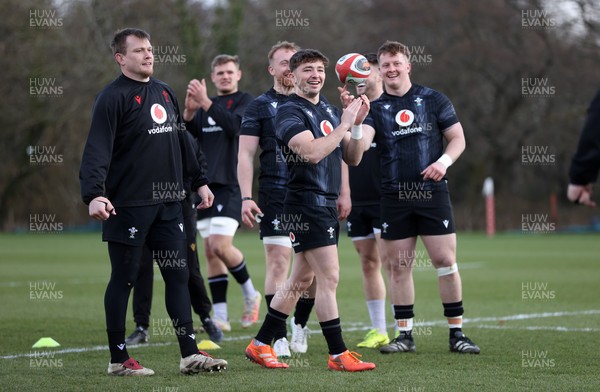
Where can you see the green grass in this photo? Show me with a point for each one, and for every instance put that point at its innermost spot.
(497, 274)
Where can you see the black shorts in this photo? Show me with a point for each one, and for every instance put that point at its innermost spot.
(310, 227)
(363, 221)
(135, 225)
(227, 203)
(404, 219)
(270, 202)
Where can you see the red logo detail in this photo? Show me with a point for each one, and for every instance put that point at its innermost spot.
(292, 237)
(158, 113)
(326, 127)
(166, 95)
(229, 104)
(404, 117)
(138, 99)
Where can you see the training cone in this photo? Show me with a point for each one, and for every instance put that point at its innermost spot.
(46, 342)
(208, 345)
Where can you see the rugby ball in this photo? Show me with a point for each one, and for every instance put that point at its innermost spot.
(352, 68)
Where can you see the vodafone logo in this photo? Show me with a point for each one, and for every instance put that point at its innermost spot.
(211, 121)
(292, 237)
(326, 127)
(404, 118)
(158, 113)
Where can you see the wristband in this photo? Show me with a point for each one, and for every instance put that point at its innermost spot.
(445, 160)
(246, 198)
(356, 132)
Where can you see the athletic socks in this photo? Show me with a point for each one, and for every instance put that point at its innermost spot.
(218, 288)
(241, 275)
(404, 314)
(220, 311)
(453, 312)
(376, 309)
(282, 332)
(273, 322)
(332, 331)
(303, 308)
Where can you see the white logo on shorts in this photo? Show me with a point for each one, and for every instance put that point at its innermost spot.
(384, 226)
(219, 207)
(132, 231)
(180, 226)
(445, 222)
(331, 230)
(276, 223)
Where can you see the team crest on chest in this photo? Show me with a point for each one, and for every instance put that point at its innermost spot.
(326, 127)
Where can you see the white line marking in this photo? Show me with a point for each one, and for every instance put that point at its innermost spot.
(354, 326)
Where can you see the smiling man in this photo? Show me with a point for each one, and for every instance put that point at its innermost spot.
(411, 124)
(215, 122)
(258, 129)
(316, 137)
(135, 144)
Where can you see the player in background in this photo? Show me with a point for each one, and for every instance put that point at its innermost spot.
(134, 144)
(142, 291)
(410, 123)
(215, 122)
(258, 129)
(586, 160)
(364, 227)
(316, 138)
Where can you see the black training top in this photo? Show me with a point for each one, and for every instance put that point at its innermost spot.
(365, 179)
(218, 132)
(259, 120)
(136, 146)
(409, 136)
(318, 184)
(586, 161)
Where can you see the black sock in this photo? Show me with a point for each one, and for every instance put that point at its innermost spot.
(332, 331)
(404, 312)
(453, 309)
(116, 345)
(303, 309)
(218, 288)
(240, 273)
(273, 322)
(282, 331)
(186, 338)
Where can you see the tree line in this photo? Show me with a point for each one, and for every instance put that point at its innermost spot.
(520, 73)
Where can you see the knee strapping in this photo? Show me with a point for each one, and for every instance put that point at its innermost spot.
(443, 271)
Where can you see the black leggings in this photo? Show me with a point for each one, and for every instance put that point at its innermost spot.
(142, 293)
(125, 262)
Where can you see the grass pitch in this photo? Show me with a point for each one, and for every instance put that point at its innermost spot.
(531, 304)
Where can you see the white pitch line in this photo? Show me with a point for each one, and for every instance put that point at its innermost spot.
(535, 328)
(157, 277)
(353, 326)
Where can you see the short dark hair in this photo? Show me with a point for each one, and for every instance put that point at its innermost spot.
(119, 41)
(224, 59)
(372, 58)
(307, 56)
(393, 48)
